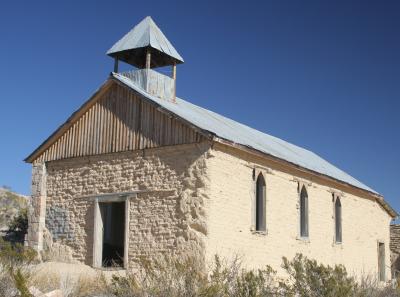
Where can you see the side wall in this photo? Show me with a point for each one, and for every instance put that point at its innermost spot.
(166, 217)
(231, 218)
(395, 248)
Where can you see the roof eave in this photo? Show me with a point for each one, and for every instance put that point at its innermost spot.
(61, 129)
(379, 198)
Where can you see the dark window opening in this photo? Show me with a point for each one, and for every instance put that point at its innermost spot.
(260, 204)
(303, 212)
(338, 220)
(113, 216)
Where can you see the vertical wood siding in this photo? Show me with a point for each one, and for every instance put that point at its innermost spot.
(119, 121)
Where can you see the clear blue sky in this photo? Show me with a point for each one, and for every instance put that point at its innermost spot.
(324, 75)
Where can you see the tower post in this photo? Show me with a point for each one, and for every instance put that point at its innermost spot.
(115, 65)
(174, 78)
(148, 59)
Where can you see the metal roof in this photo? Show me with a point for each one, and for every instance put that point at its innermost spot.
(143, 35)
(241, 134)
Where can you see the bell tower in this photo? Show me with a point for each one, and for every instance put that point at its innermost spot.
(145, 47)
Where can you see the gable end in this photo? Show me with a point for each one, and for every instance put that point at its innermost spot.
(115, 119)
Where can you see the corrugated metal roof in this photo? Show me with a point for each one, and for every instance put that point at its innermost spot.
(241, 134)
(145, 34)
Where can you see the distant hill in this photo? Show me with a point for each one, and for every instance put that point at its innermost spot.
(10, 205)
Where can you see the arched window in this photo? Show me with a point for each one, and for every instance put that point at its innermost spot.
(260, 204)
(303, 212)
(338, 220)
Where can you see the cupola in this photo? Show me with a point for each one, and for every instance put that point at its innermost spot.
(145, 47)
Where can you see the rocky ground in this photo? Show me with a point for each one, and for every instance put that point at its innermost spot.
(10, 205)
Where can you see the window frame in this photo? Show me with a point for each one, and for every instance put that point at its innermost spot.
(306, 234)
(381, 261)
(336, 199)
(260, 228)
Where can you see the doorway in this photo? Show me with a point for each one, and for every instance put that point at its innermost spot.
(109, 234)
(381, 262)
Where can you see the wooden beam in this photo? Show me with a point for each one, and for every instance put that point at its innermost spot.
(174, 71)
(116, 65)
(148, 59)
(174, 78)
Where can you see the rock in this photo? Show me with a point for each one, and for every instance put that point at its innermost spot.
(35, 292)
(61, 270)
(58, 252)
(55, 293)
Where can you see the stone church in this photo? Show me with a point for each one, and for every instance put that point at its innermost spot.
(138, 172)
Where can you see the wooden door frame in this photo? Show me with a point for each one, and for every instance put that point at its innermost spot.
(98, 227)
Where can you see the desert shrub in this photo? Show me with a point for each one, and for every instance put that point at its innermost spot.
(19, 224)
(70, 286)
(17, 227)
(14, 260)
(162, 277)
(187, 278)
(258, 283)
(307, 278)
(369, 286)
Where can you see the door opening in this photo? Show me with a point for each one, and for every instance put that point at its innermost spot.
(113, 219)
(381, 262)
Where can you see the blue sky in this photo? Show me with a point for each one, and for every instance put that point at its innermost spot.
(324, 75)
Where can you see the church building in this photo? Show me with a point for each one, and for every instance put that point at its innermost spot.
(138, 172)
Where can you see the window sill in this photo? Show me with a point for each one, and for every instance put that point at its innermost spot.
(303, 239)
(337, 244)
(260, 233)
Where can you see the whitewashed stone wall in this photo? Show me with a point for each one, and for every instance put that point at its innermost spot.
(230, 213)
(199, 200)
(167, 217)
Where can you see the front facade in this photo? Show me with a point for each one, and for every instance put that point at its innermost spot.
(137, 172)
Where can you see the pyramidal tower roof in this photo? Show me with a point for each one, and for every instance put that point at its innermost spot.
(145, 36)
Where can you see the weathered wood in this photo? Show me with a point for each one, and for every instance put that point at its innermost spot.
(174, 72)
(119, 121)
(115, 64)
(148, 59)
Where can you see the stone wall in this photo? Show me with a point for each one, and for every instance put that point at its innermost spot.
(164, 218)
(231, 214)
(36, 215)
(199, 200)
(395, 248)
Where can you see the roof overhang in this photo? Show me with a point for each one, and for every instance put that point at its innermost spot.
(378, 198)
(64, 127)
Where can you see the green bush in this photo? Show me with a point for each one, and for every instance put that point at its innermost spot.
(189, 277)
(19, 224)
(307, 278)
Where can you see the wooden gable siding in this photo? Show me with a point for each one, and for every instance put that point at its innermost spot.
(119, 121)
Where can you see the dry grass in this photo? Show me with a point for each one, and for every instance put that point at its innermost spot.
(71, 286)
(171, 277)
